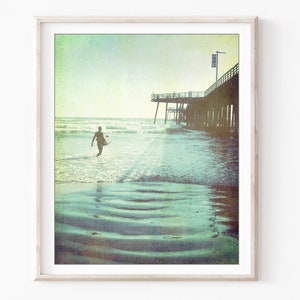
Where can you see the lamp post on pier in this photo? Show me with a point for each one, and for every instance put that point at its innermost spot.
(215, 62)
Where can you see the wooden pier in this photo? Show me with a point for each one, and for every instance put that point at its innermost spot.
(181, 101)
(215, 109)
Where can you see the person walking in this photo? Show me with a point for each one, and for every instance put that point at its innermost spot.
(100, 140)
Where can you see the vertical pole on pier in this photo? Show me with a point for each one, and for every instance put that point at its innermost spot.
(234, 116)
(215, 63)
(166, 113)
(156, 112)
(222, 116)
(181, 112)
(179, 117)
(176, 113)
(237, 117)
(217, 58)
(227, 115)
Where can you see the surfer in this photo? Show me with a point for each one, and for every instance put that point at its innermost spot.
(100, 140)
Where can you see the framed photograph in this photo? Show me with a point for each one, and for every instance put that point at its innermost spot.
(147, 148)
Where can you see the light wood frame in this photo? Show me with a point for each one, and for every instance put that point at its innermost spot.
(252, 23)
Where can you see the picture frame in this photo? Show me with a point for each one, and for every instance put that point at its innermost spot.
(58, 257)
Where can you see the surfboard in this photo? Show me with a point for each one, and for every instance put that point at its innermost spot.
(108, 139)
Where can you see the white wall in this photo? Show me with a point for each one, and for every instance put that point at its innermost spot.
(279, 112)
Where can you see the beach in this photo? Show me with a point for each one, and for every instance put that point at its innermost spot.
(153, 197)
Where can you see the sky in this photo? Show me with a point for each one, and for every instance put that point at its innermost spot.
(114, 75)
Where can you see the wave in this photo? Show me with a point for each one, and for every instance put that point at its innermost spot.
(154, 179)
(73, 131)
(81, 132)
(74, 157)
(113, 126)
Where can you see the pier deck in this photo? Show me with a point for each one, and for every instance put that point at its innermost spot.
(216, 107)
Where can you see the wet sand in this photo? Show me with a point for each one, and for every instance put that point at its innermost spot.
(146, 223)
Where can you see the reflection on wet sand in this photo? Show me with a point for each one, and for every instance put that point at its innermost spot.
(143, 223)
(226, 205)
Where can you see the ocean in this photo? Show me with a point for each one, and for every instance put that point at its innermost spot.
(158, 194)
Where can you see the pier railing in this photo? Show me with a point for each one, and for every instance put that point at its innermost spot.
(192, 94)
(176, 95)
(227, 76)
